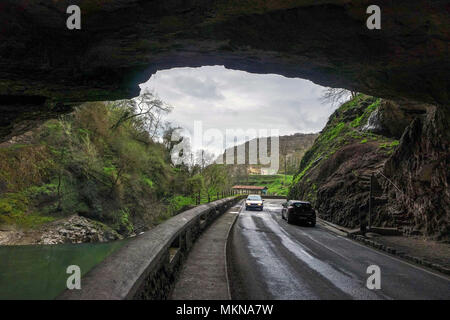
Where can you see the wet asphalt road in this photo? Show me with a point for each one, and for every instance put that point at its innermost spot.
(270, 259)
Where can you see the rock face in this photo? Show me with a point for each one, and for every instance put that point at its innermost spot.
(420, 170)
(76, 229)
(411, 175)
(293, 147)
(390, 119)
(46, 68)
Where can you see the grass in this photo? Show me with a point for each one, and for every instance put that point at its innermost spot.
(344, 127)
(276, 183)
(280, 186)
(14, 210)
(389, 147)
(179, 203)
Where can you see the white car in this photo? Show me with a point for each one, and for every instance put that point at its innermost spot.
(254, 201)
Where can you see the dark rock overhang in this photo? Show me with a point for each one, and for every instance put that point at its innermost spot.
(123, 42)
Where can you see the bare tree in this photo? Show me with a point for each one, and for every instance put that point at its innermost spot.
(337, 96)
(284, 154)
(204, 159)
(147, 108)
(168, 131)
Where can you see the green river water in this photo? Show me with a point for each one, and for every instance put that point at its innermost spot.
(39, 271)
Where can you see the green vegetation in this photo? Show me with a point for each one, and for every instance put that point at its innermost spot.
(280, 186)
(389, 147)
(343, 128)
(106, 161)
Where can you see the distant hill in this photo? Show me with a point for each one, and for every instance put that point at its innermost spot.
(292, 148)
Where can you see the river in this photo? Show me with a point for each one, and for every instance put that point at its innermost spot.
(39, 271)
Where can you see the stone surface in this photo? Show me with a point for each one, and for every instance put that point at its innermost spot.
(46, 68)
(410, 181)
(203, 275)
(392, 118)
(130, 274)
(73, 229)
(77, 229)
(420, 169)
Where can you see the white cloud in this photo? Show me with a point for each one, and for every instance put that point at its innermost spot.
(231, 99)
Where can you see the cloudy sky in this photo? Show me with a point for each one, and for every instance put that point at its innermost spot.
(229, 99)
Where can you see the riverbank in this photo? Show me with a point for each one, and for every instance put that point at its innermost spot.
(73, 229)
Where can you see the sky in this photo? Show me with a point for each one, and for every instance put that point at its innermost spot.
(231, 99)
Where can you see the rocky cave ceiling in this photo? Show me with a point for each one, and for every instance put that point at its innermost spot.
(46, 68)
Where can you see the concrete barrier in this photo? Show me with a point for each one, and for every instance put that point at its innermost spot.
(146, 267)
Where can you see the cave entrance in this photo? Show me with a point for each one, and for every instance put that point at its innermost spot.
(217, 108)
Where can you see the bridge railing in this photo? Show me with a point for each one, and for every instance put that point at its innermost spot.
(147, 265)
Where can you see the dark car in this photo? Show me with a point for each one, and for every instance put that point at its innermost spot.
(298, 211)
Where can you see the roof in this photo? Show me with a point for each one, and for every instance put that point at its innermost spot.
(249, 187)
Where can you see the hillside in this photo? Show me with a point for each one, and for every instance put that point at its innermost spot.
(291, 148)
(368, 136)
(277, 184)
(84, 178)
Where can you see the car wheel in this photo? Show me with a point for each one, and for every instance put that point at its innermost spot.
(313, 224)
(289, 220)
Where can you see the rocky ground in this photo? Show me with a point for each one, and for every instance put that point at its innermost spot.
(73, 229)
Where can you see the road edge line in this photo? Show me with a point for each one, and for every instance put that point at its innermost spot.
(226, 249)
(416, 262)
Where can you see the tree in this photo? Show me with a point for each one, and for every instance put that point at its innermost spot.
(337, 96)
(216, 178)
(61, 139)
(203, 158)
(195, 184)
(147, 110)
(168, 136)
(284, 153)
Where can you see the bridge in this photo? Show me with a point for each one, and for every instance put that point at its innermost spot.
(222, 251)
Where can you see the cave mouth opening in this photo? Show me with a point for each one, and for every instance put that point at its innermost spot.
(228, 107)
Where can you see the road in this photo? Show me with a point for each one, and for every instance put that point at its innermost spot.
(270, 259)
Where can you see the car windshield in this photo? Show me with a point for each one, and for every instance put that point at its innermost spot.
(302, 205)
(253, 198)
